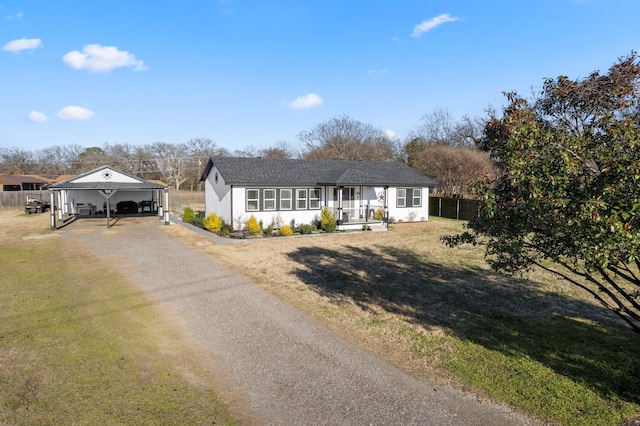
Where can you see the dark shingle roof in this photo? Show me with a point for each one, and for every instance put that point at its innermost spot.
(20, 179)
(271, 171)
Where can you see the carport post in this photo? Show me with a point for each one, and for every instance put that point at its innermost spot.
(166, 205)
(52, 208)
(107, 193)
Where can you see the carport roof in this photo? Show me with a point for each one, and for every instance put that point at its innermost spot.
(106, 178)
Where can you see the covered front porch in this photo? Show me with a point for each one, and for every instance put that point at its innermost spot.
(358, 207)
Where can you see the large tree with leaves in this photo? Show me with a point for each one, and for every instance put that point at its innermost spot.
(567, 194)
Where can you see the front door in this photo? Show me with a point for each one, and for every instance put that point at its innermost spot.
(350, 197)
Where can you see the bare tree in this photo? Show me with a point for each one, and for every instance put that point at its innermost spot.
(172, 162)
(249, 151)
(342, 138)
(280, 150)
(133, 159)
(198, 151)
(435, 128)
(453, 167)
(17, 161)
(440, 128)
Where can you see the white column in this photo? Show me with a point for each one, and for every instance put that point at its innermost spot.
(166, 206)
(52, 207)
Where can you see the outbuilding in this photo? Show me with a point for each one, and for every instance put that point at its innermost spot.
(107, 192)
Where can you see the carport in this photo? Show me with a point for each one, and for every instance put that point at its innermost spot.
(107, 192)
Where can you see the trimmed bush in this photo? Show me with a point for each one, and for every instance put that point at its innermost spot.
(270, 228)
(285, 231)
(212, 223)
(188, 214)
(306, 229)
(198, 221)
(253, 227)
(328, 220)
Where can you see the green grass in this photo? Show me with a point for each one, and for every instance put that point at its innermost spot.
(79, 345)
(533, 342)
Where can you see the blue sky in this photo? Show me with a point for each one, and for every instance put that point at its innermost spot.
(250, 72)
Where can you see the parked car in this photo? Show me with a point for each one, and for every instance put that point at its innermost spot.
(36, 206)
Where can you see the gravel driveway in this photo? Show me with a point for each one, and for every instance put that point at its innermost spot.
(287, 368)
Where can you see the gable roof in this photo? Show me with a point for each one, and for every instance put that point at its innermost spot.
(275, 171)
(106, 177)
(20, 179)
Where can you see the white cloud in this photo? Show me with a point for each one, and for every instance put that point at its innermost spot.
(75, 113)
(37, 117)
(392, 135)
(302, 102)
(18, 16)
(16, 46)
(97, 58)
(427, 26)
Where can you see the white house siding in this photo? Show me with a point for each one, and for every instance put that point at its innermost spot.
(114, 176)
(218, 196)
(284, 217)
(408, 214)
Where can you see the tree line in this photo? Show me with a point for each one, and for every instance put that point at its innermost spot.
(439, 147)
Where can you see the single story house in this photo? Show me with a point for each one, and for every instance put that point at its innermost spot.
(22, 183)
(107, 192)
(281, 190)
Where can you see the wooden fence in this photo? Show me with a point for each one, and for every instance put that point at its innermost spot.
(453, 208)
(19, 198)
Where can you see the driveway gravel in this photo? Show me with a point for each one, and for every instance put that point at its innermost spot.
(287, 368)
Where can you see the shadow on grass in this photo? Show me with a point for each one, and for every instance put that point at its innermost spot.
(513, 316)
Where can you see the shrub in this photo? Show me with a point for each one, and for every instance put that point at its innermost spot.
(379, 214)
(328, 220)
(253, 227)
(212, 223)
(306, 229)
(285, 230)
(198, 221)
(188, 214)
(270, 229)
(226, 227)
(293, 223)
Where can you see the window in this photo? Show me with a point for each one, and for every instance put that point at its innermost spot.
(269, 199)
(253, 200)
(407, 197)
(314, 198)
(402, 197)
(416, 200)
(301, 199)
(285, 199)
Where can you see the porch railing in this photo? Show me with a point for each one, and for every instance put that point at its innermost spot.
(358, 214)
